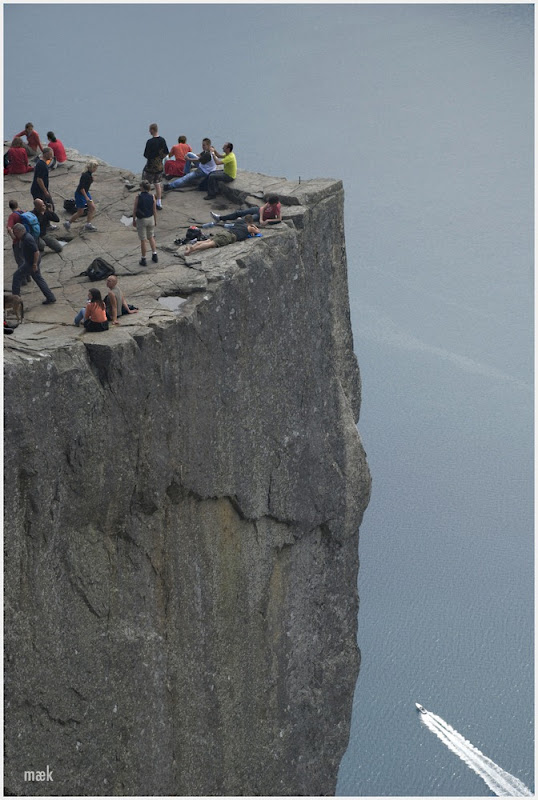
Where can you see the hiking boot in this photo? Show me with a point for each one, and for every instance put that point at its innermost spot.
(67, 225)
(143, 262)
(154, 257)
(89, 227)
(49, 301)
(215, 216)
(159, 208)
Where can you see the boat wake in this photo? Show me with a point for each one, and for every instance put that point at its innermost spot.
(502, 783)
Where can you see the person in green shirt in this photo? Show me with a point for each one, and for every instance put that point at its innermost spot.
(229, 163)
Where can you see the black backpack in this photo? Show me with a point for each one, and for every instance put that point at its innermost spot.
(70, 205)
(194, 234)
(99, 269)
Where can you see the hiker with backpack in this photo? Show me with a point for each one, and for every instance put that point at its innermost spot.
(94, 313)
(145, 220)
(83, 198)
(30, 222)
(31, 260)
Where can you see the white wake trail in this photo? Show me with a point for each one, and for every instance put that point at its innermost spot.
(502, 783)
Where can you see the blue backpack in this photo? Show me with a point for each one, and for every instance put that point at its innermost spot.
(30, 222)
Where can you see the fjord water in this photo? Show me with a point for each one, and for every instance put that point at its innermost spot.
(425, 113)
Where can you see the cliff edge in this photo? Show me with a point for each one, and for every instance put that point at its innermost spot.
(182, 501)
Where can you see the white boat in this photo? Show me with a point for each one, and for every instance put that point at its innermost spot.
(420, 708)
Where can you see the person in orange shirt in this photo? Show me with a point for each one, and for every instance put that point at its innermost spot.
(95, 319)
(175, 169)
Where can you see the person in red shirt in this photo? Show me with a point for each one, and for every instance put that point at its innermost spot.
(32, 136)
(17, 159)
(57, 148)
(176, 168)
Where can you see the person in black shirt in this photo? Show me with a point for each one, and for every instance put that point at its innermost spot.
(156, 149)
(145, 220)
(240, 231)
(44, 217)
(40, 184)
(31, 260)
(83, 197)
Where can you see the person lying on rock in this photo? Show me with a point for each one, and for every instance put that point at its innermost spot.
(241, 230)
(115, 302)
(268, 214)
(94, 314)
(45, 215)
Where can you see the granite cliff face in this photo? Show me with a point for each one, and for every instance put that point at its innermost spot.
(182, 501)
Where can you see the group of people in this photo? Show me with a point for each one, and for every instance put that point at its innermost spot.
(16, 160)
(180, 165)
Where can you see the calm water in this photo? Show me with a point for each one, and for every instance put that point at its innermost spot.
(425, 112)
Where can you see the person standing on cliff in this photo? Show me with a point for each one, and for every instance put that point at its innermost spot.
(145, 220)
(156, 150)
(40, 184)
(31, 260)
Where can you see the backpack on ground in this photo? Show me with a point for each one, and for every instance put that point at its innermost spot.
(70, 205)
(194, 234)
(99, 269)
(30, 222)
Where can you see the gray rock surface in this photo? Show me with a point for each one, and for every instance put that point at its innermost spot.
(182, 501)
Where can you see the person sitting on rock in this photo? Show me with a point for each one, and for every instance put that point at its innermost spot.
(58, 149)
(206, 165)
(227, 174)
(32, 137)
(45, 215)
(145, 220)
(176, 168)
(17, 159)
(241, 230)
(116, 304)
(268, 214)
(94, 314)
(83, 197)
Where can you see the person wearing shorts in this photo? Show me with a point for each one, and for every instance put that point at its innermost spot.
(242, 229)
(156, 149)
(83, 197)
(145, 220)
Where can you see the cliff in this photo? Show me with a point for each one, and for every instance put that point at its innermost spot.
(182, 501)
